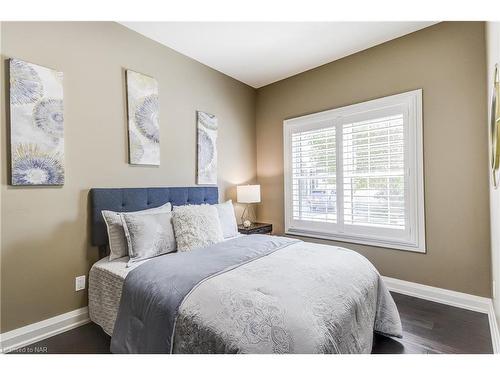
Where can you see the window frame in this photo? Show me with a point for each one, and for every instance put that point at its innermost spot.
(414, 237)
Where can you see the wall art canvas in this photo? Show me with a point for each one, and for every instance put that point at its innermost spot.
(207, 149)
(143, 119)
(36, 124)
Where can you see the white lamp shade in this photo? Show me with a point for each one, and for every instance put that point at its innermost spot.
(248, 193)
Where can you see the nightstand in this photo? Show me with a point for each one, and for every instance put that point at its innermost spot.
(256, 228)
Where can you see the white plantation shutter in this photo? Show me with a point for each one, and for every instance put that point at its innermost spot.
(355, 173)
(374, 172)
(314, 177)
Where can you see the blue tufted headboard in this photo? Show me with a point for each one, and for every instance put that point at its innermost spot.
(135, 199)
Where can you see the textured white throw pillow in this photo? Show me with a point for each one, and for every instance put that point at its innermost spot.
(227, 219)
(148, 235)
(196, 226)
(117, 241)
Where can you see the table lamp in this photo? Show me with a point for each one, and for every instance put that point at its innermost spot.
(247, 194)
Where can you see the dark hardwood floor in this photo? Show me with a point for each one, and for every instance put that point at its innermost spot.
(428, 328)
(86, 339)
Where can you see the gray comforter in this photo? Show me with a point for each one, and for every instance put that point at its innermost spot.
(255, 294)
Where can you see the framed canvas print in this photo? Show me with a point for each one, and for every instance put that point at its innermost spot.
(207, 148)
(143, 119)
(36, 124)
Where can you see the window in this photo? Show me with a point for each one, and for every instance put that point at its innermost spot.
(355, 173)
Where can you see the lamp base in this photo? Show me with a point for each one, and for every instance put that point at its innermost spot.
(245, 219)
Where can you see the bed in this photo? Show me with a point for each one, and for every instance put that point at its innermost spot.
(249, 294)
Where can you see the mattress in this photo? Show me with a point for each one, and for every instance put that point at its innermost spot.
(105, 289)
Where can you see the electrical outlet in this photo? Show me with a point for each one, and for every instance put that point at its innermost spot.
(79, 283)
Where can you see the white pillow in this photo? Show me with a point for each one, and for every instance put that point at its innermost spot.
(117, 241)
(148, 235)
(227, 219)
(196, 226)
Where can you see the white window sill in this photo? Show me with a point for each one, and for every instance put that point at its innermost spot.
(357, 240)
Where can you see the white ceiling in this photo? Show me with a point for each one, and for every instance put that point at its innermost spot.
(259, 53)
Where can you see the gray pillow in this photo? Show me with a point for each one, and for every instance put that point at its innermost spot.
(196, 226)
(148, 235)
(227, 219)
(117, 241)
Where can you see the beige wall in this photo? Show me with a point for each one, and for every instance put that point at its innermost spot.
(493, 57)
(448, 62)
(45, 230)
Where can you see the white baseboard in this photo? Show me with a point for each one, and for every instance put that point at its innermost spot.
(32, 333)
(445, 296)
(451, 298)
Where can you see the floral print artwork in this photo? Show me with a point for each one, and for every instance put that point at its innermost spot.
(37, 124)
(143, 119)
(207, 149)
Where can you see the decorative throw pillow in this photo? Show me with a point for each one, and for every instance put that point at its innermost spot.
(117, 241)
(196, 226)
(148, 235)
(227, 219)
